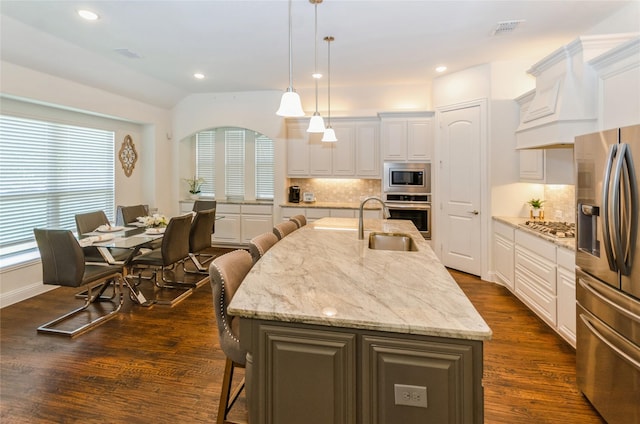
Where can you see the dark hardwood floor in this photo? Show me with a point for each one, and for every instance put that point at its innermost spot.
(164, 365)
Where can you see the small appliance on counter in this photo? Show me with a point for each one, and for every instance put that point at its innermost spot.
(308, 197)
(294, 194)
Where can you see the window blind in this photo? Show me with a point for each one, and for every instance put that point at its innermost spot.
(234, 163)
(264, 167)
(48, 173)
(206, 160)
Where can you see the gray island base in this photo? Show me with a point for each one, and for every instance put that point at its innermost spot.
(337, 332)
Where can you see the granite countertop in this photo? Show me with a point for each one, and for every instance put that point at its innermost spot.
(516, 222)
(322, 274)
(331, 205)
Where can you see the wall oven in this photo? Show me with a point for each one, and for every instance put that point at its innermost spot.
(414, 207)
(400, 177)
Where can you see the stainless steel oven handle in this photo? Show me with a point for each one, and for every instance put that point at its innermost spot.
(420, 207)
(587, 321)
(602, 297)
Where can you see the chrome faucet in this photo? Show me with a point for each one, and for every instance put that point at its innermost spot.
(385, 214)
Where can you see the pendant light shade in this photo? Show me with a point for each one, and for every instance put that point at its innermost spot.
(290, 104)
(329, 134)
(316, 123)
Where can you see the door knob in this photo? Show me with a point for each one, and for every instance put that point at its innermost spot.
(475, 212)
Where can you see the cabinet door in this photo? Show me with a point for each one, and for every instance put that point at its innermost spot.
(227, 229)
(452, 386)
(367, 150)
(305, 376)
(320, 156)
(343, 213)
(343, 152)
(567, 305)
(503, 257)
(254, 225)
(297, 150)
(419, 140)
(394, 139)
(532, 165)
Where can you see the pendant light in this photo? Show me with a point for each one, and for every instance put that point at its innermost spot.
(329, 134)
(290, 105)
(316, 123)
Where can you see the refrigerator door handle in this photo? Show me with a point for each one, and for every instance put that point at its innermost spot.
(625, 206)
(604, 298)
(606, 212)
(623, 355)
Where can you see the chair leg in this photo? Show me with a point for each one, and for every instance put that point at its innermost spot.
(199, 264)
(227, 399)
(51, 326)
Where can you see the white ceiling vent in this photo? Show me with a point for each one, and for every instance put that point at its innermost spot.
(504, 27)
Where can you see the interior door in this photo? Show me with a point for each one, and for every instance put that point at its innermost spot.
(460, 233)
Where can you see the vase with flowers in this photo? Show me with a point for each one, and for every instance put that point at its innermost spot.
(194, 186)
(153, 221)
(536, 211)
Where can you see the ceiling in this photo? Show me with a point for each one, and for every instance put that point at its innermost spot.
(242, 45)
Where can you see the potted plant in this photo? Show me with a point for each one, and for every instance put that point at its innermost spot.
(536, 208)
(194, 186)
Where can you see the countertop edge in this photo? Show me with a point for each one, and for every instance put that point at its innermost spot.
(514, 221)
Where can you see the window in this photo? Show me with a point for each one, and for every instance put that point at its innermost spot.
(245, 159)
(234, 163)
(205, 161)
(264, 167)
(48, 173)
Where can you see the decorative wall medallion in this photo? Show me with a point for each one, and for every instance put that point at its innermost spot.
(128, 155)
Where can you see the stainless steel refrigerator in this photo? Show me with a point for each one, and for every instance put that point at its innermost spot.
(608, 272)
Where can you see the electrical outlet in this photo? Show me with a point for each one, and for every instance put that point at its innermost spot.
(410, 395)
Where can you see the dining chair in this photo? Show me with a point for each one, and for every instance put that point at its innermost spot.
(174, 250)
(259, 245)
(226, 273)
(200, 205)
(128, 214)
(200, 240)
(63, 264)
(90, 221)
(284, 229)
(300, 220)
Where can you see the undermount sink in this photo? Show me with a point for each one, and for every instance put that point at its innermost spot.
(392, 241)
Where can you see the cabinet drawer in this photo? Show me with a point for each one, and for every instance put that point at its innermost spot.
(343, 213)
(317, 213)
(288, 212)
(543, 248)
(543, 269)
(227, 208)
(505, 230)
(256, 209)
(566, 258)
(531, 290)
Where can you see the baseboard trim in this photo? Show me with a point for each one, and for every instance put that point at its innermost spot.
(24, 293)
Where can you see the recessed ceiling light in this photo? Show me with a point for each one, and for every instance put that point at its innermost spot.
(316, 75)
(441, 68)
(198, 75)
(88, 15)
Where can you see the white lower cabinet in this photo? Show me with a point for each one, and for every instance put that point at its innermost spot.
(313, 214)
(239, 223)
(542, 275)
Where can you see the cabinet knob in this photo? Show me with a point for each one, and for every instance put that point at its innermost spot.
(475, 212)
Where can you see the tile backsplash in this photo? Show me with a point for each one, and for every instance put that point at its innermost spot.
(338, 190)
(559, 203)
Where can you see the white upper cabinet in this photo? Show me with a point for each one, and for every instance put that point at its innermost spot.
(356, 154)
(297, 150)
(407, 137)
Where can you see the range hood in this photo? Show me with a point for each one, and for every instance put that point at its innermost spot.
(564, 102)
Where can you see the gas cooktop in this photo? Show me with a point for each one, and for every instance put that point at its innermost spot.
(552, 228)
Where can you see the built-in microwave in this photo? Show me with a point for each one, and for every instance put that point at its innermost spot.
(400, 177)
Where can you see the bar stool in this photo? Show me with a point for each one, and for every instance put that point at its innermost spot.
(284, 229)
(226, 273)
(259, 245)
(300, 220)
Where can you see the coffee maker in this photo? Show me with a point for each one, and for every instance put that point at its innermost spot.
(294, 194)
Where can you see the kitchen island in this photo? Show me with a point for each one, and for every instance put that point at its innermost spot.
(341, 333)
